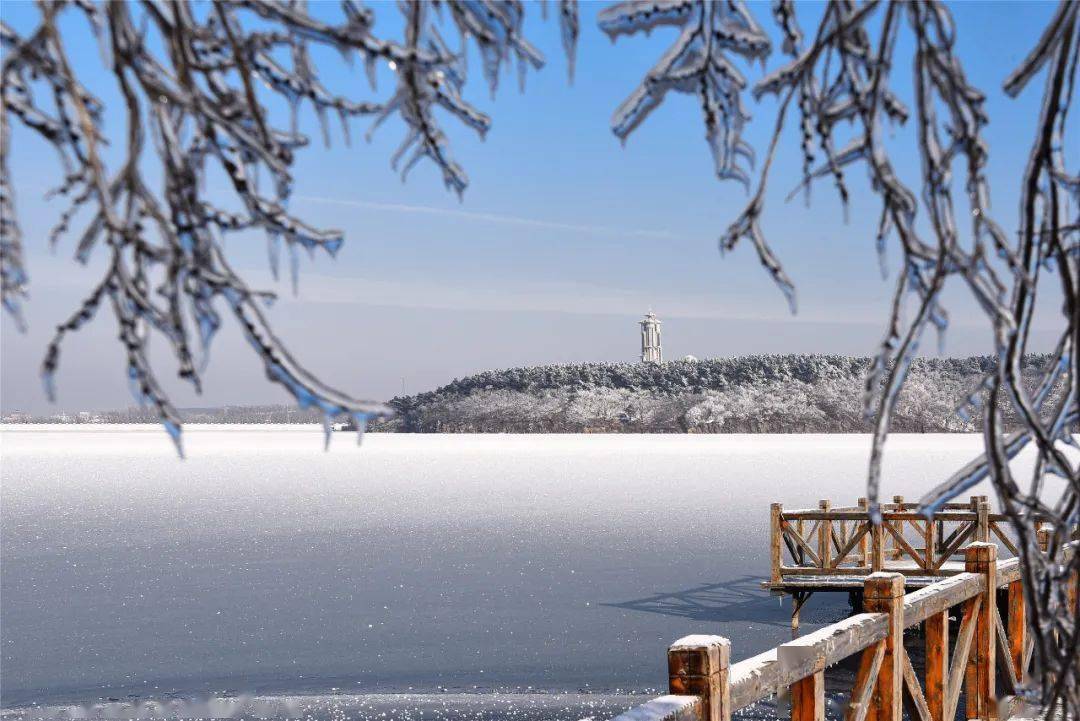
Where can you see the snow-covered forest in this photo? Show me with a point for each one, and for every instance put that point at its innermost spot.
(751, 394)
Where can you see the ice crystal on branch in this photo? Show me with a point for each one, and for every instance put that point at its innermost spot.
(195, 81)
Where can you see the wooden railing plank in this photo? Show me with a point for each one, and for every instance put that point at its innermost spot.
(949, 550)
(898, 536)
(814, 514)
(922, 604)
(822, 648)
(793, 551)
(753, 679)
(996, 530)
(914, 690)
(1003, 653)
(842, 553)
(961, 652)
(789, 532)
(962, 528)
(1008, 572)
(817, 571)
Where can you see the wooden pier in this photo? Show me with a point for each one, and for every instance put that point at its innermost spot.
(953, 571)
(837, 548)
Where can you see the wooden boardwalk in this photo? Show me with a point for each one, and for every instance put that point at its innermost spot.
(705, 685)
(910, 574)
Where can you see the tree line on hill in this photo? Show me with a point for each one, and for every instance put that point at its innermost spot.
(750, 394)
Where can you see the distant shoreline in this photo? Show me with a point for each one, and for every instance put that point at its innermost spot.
(750, 394)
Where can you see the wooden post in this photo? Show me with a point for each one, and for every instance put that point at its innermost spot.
(1072, 591)
(864, 542)
(981, 694)
(824, 536)
(930, 541)
(1042, 537)
(1017, 622)
(698, 666)
(808, 698)
(775, 540)
(936, 632)
(877, 547)
(884, 593)
(800, 529)
(982, 522)
(896, 551)
(940, 531)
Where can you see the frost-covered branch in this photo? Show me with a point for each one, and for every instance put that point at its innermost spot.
(698, 63)
(196, 81)
(840, 78)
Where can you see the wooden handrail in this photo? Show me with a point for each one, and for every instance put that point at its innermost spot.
(818, 514)
(673, 707)
(699, 666)
(922, 604)
(753, 679)
(828, 646)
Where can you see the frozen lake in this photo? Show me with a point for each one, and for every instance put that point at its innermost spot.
(414, 565)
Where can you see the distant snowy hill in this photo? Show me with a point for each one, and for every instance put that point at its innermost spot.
(752, 394)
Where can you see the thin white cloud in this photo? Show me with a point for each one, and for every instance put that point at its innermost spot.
(492, 218)
(538, 295)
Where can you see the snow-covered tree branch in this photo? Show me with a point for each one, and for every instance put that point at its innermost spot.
(839, 77)
(196, 81)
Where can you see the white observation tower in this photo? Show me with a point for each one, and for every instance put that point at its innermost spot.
(650, 339)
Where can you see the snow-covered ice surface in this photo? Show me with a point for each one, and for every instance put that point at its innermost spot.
(417, 564)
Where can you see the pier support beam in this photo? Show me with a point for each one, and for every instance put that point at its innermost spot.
(798, 600)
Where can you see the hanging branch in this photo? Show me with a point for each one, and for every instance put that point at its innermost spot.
(841, 76)
(696, 64)
(195, 87)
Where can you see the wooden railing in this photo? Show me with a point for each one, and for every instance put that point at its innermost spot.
(829, 541)
(705, 686)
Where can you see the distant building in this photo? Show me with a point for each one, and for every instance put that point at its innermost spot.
(651, 352)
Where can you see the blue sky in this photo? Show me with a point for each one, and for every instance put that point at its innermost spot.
(562, 241)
